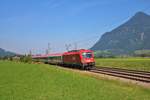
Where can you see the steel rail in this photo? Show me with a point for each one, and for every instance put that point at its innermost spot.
(143, 76)
(125, 70)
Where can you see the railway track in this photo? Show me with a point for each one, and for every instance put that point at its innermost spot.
(143, 76)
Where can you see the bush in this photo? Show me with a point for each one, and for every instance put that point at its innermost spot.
(26, 59)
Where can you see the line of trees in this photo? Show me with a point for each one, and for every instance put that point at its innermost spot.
(103, 54)
(21, 58)
(97, 54)
(109, 54)
(142, 53)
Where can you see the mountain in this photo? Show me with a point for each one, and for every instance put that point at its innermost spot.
(4, 53)
(128, 37)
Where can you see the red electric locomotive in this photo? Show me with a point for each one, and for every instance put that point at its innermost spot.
(81, 58)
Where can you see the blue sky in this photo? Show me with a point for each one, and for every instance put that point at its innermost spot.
(32, 24)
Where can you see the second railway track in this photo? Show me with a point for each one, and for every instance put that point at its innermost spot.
(143, 76)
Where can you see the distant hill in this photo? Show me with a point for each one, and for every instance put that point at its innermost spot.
(4, 53)
(128, 37)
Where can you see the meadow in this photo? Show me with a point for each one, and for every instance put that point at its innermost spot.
(21, 81)
(127, 63)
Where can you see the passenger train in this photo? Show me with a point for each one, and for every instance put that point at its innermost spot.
(82, 58)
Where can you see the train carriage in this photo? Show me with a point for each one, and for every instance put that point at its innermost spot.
(49, 58)
(55, 59)
(40, 58)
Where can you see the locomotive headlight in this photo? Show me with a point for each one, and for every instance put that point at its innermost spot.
(88, 60)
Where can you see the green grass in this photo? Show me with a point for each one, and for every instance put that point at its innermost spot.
(19, 81)
(130, 63)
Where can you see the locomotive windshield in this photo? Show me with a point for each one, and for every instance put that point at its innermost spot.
(87, 55)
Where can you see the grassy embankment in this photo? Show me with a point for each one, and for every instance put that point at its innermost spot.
(19, 81)
(129, 63)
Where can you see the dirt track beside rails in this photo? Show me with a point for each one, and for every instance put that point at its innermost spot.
(108, 77)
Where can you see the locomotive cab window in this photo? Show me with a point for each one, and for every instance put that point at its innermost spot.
(87, 55)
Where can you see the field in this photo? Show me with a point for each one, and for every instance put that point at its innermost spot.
(19, 81)
(129, 63)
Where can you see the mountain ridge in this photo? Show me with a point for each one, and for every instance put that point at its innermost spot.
(4, 53)
(128, 37)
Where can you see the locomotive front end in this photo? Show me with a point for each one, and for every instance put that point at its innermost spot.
(88, 59)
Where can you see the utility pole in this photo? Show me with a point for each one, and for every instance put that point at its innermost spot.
(75, 46)
(48, 49)
(30, 52)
